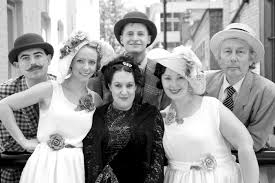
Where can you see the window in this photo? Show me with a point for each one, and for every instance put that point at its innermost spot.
(176, 26)
(45, 26)
(176, 15)
(169, 26)
(15, 28)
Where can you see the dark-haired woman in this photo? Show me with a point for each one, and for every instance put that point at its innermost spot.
(125, 142)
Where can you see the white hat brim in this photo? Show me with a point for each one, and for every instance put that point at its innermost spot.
(256, 44)
(167, 59)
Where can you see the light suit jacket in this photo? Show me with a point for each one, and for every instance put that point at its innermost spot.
(254, 104)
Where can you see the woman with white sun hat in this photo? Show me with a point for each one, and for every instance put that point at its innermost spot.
(199, 129)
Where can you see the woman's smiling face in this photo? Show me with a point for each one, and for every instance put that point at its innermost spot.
(84, 63)
(175, 85)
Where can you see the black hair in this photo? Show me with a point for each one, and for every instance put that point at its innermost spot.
(122, 63)
(160, 70)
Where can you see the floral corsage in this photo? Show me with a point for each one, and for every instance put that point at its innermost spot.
(207, 163)
(57, 142)
(86, 103)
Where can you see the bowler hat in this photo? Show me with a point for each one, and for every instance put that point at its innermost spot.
(135, 17)
(28, 41)
(240, 31)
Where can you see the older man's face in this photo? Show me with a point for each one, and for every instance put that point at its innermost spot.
(235, 58)
(33, 63)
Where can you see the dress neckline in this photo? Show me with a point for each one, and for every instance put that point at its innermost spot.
(63, 94)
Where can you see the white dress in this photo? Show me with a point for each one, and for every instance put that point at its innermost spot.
(186, 146)
(59, 166)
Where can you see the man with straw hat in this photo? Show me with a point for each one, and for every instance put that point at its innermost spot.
(135, 32)
(32, 56)
(250, 96)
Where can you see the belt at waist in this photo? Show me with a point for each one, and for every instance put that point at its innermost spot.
(208, 162)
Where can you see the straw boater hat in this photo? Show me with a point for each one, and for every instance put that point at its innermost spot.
(135, 17)
(239, 31)
(28, 41)
(177, 61)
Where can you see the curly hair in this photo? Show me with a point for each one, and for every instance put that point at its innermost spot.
(122, 63)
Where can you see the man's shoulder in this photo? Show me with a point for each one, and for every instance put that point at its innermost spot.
(262, 83)
(9, 87)
(151, 65)
(213, 75)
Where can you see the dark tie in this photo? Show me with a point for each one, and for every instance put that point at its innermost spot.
(228, 102)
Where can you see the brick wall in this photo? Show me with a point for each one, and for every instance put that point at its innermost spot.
(201, 40)
(210, 24)
(250, 15)
(216, 18)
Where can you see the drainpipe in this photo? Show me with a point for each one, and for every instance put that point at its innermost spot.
(239, 10)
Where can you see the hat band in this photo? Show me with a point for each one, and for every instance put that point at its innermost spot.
(240, 29)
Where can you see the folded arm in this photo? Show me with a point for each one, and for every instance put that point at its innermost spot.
(236, 133)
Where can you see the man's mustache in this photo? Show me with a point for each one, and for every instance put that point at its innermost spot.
(34, 67)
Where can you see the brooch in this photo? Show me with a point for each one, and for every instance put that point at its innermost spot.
(86, 103)
(171, 116)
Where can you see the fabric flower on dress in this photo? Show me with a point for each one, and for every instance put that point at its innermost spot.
(172, 117)
(208, 162)
(56, 142)
(86, 103)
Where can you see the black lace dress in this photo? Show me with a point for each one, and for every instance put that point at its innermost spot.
(129, 141)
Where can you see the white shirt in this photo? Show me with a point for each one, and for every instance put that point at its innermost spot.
(143, 64)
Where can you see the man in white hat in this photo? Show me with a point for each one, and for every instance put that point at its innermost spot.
(250, 96)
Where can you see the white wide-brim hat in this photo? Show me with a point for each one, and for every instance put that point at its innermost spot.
(177, 61)
(65, 62)
(239, 31)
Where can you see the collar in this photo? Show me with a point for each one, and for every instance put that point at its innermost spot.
(143, 64)
(236, 86)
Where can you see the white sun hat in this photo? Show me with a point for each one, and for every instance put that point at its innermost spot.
(179, 60)
(239, 31)
(70, 48)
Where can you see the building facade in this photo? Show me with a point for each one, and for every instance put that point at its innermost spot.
(258, 14)
(54, 20)
(181, 15)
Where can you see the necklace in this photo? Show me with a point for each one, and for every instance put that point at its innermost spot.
(172, 116)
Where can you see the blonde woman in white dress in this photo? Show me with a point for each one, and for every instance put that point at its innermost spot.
(198, 129)
(66, 110)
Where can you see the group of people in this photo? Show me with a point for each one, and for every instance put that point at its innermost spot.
(139, 117)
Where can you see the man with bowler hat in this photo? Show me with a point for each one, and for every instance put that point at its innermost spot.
(32, 56)
(135, 32)
(248, 95)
